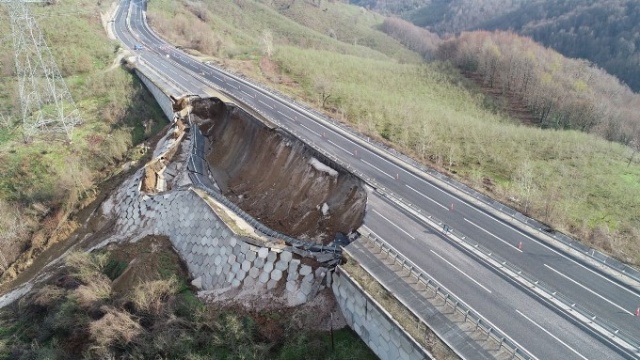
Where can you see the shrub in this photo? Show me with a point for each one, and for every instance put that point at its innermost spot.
(90, 295)
(151, 297)
(116, 327)
(48, 296)
(85, 266)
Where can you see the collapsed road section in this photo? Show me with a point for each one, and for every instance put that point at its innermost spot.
(275, 177)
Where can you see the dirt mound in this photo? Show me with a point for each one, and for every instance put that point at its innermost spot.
(277, 178)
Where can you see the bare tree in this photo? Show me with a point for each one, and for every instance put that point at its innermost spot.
(324, 87)
(14, 228)
(524, 177)
(635, 146)
(5, 121)
(267, 43)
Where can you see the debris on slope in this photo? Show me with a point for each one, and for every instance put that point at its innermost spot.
(276, 178)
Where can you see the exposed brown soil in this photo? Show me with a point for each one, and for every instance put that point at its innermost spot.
(70, 230)
(269, 174)
(272, 73)
(147, 260)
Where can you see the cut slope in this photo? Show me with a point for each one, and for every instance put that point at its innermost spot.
(278, 179)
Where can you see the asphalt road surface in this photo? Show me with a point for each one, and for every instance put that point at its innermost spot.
(537, 326)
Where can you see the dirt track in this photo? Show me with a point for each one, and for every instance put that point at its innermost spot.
(276, 178)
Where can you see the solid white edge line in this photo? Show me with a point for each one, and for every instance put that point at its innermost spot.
(392, 223)
(589, 290)
(401, 168)
(427, 197)
(533, 357)
(462, 272)
(550, 334)
(488, 232)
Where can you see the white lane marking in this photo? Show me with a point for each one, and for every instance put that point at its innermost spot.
(481, 228)
(464, 202)
(589, 290)
(373, 166)
(462, 272)
(465, 304)
(392, 223)
(217, 78)
(550, 334)
(246, 93)
(285, 115)
(265, 104)
(340, 147)
(428, 198)
(561, 255)
(304, 126)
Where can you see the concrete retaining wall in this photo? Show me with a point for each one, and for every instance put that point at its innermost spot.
(163, 100)
(217, 258)
(374, 325)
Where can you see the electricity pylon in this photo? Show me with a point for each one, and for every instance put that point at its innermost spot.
(46, 103)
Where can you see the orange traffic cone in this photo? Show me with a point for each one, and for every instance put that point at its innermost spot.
(520, 245)
(638, 311)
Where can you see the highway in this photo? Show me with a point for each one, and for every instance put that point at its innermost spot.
(539, 327)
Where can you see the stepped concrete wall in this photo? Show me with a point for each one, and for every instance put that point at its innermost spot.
(220, 259)
(217, 257)
(373, 324)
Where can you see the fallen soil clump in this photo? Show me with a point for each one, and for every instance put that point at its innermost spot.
(277, 178)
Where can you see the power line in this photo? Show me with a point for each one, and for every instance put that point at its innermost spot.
(46, 103)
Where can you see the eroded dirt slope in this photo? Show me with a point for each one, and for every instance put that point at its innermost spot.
(276, 178)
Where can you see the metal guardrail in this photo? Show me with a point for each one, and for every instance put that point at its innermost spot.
(604, 259)
(613, 331)
(198, 169)
(563, 238)
(459, 306)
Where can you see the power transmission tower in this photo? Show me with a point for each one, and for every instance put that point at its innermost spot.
(46, 103)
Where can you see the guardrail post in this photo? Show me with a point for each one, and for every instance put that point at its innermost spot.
(466, 314)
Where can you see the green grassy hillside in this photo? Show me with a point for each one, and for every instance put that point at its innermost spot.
(576, 182)
(238, 28)
(43, 180)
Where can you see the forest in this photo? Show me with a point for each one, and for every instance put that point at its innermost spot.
(559, 92)
(534, 84)
(605, 32)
